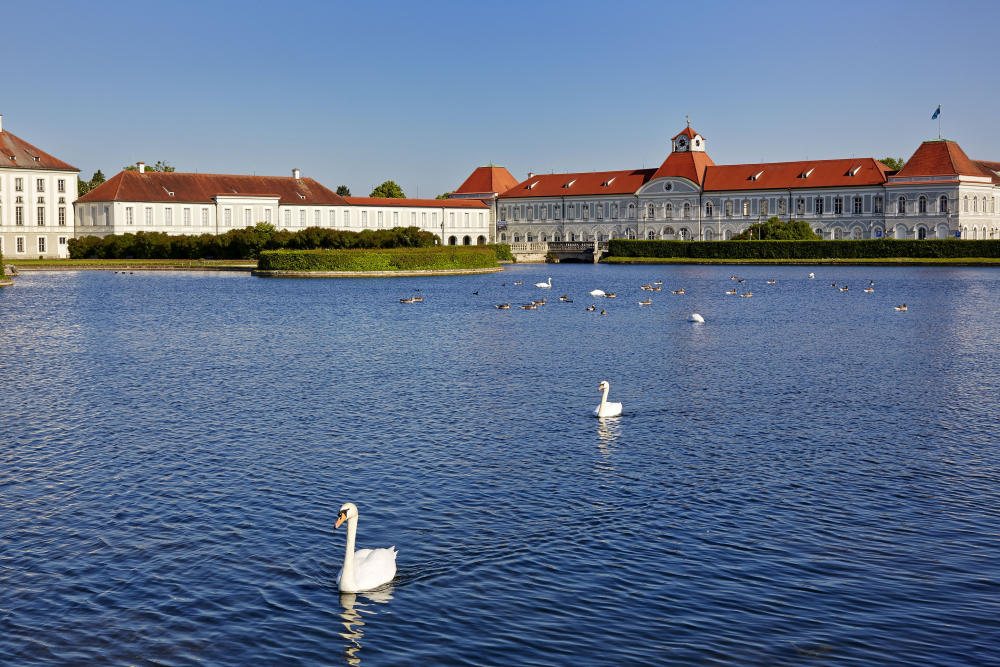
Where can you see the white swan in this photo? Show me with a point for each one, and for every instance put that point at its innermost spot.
(597, 292)
(811, 276)
(545, 285)
(695, 317)
(363, 569)
(606, 409)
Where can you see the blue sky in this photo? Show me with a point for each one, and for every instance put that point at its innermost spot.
(422, 93)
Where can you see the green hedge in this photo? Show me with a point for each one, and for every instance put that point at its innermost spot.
(860, 249)
(400, 259)
(502, 251)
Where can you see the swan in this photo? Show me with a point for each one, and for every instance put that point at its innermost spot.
(597, 292)
(545, 285)
(811, 276)
(695, 317)
(363, 569)
(606, 409)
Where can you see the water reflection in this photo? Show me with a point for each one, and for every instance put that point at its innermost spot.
(356, 604)
(608, 431)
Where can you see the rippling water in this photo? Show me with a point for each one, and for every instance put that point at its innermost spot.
(807, 478)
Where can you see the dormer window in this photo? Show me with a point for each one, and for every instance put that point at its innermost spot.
(754, 177)
(608, 182)
(570, 184)
(169, 193)
(854, 171)
(806, 173)
(532, 185)
(301, 196)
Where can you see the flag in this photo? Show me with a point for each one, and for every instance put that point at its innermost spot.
(937, 112)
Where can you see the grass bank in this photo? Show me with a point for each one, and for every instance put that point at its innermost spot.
(148, 264)
(887, 261)
(447, 258)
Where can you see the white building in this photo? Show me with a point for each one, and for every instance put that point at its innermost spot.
(36, 195)
(939, 193)
(183, 203)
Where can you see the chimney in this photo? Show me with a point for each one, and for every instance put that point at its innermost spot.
(1, 122)
(141, 166)
(295, 174)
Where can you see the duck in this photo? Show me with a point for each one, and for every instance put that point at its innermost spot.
(529, 306)
(869, 290)
(539, 303)
(833, 284)
(611, 295)
(844, 288)
(747, 295)
(597, 292)
(591, 308)
(603, 312)
(545, 285)
(363, 569)
(679, 291)
(646, 287)
(564, 297)
(647, 302)
(731, 291)
(734, 277)
(410, 300)
(503, 306)
(657, 282)
(903, 307)
(771, 282)
(518, 282)
(476, 293)
(657, 289)
(418, 299)
(606, 408)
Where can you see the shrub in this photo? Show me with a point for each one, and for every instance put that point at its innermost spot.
(763, 250)
(399, 259)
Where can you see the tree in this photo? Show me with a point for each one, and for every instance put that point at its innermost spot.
(774, 229)
(343, 191)
(159, 166)
(894, 163)
(83, 187)
(388, 189)
(446, 195)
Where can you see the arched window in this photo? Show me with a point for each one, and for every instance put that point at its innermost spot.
(503, 238)
(651, 234)
(921, 233)
(965, 204)
(984, 211)
(631, 212)
(452, 240)
(668, 210)
(466, 240)
(819, 232)
(901, 206)
(481, 240)
(708, 209)
(922, 204)
(517, 238)
(651, 211)
(687, 210)
(838, 234)
(555, 237)
(668, 231)
(614, 210)
(975, 205)
(943, 204)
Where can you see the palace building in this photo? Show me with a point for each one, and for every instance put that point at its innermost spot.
(36, 200)
(939, 193)
(185, 203)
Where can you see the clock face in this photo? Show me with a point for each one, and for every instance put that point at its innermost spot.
(682, 143)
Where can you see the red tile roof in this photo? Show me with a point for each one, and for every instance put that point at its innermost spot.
(687, 132)
(940, 157)
(785, 175)
(155, 186)
(487, 180)
(429, 203)
(590, 183)
(690, 165)
(992, 167)
(16, 153)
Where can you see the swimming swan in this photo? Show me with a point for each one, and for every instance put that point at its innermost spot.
(363, 569)
(597, 292)
(545, 285)
(606, 409)
(695, 317)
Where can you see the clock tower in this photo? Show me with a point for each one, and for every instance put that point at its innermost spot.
(688, 141)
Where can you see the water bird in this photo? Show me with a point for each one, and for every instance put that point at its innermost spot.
(476, 293)
(679, 291)
(603, 312)
(870, 290)
(646, 287)
(518, 282)
(611, 295)
(597, 292)
(657, 289)
(545, 285)
(811, 276)
(591, 308)
(410, 300)
(363, 569)
(569, 300)
(695, 317)
(732, 291)
(771, 282)
(657, 282)
(647, 302)
(747, 295)
(741, 280)
(539, 303)
(833, 284)
(564, 297)
(844, 288)
(903, 307)
(606, 408)
(529, 306)
(503, 306)
(871, 283)
(418, 299)
(734, 277)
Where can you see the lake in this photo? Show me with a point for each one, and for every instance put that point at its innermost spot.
(809, 477)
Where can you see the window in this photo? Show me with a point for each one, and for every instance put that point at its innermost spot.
(302, 217)
(19, 187)
(517, 212)
(614, 210)
(586, 211)
(347, 218)
(317, 218)
(381, 219)
(901, 205)
(466, 216)
(19, 244)
(965, 203)
(857, 206)
(451, 218)
(62, 216)
(413, 218)
(943, 204)
(40, 216)
(41, 244)
(62, 240)
(818, 205)
(687, 210)
(838, 205)
(708, 209)
(878, 204)
(763, 207)
(922, 204)
(168, 217)
(423, 219)
(39, 185)
(651, 211)
(364, 219)
(556, 213)
(529, 214)
(186, 213)
(149, 216)
(729, 208)
(746, 207)
(800, 206)
(267, 216)
(631, 211)
(227, 217)
(129, 215)
(599, 211)
(61, 185)
(569, 212)
(651, 234)
(247, 217)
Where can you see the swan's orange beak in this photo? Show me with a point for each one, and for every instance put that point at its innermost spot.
(340, 519)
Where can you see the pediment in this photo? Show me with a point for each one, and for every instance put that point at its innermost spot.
(668, 186)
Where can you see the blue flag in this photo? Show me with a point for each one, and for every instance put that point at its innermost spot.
(937, 112)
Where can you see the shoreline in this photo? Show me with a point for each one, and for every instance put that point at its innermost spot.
(374, 274)
(899, 261)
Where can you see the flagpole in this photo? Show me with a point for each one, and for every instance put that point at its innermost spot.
(939, 121)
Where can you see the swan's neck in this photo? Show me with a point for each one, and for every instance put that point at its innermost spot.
(604, 398)
(347, 579)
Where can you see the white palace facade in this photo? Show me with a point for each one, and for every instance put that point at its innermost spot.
(939, 193)
(36, 200)
(184, 203)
